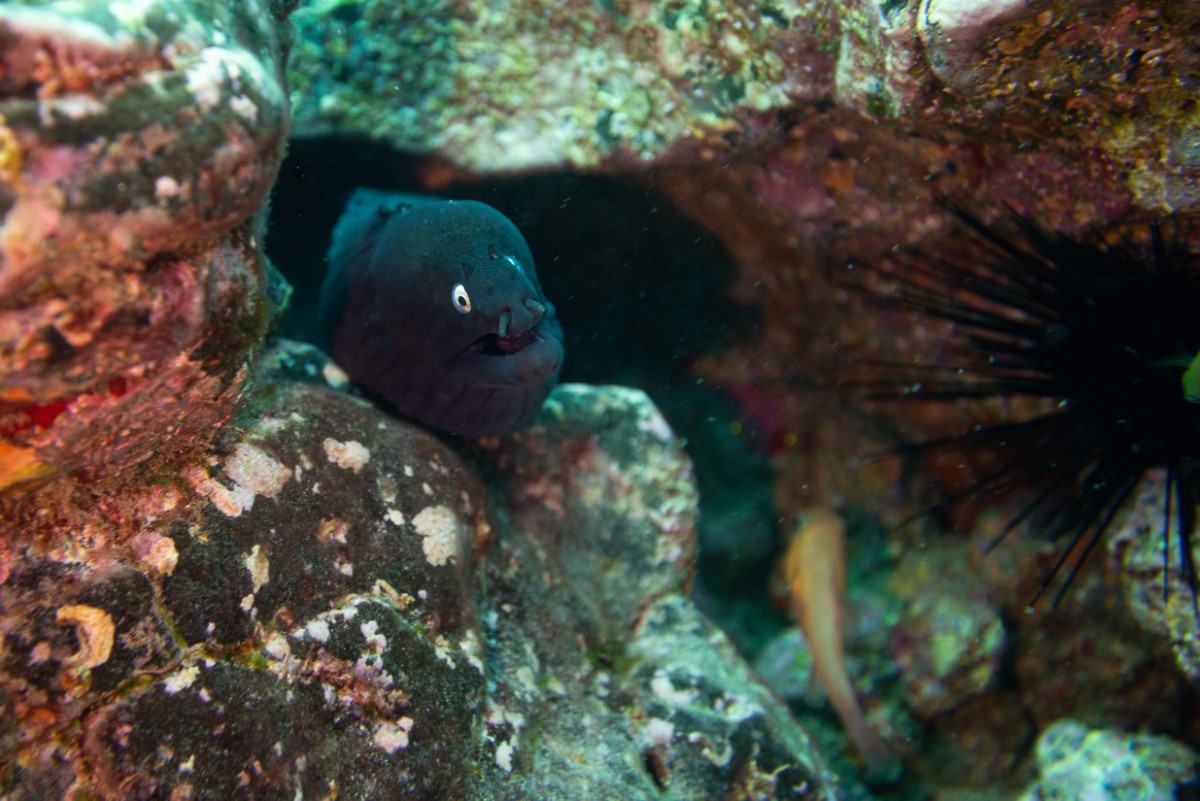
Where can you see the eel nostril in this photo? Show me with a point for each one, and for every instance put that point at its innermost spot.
(517, 319)
(536, 309)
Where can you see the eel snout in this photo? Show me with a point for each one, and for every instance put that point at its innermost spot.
(516, 326)
(519, 318)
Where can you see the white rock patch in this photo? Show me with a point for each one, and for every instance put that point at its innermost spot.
(181, 680)
(253, 473)
(441, 529)
(504, 753)
(349, 455)
(659, 732)
(259, 566)
(318, 630)
(391, 737)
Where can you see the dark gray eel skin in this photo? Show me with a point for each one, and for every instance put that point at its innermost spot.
(433, 306)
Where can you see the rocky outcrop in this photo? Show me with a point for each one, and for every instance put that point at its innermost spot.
(136, 143)
(333, 599)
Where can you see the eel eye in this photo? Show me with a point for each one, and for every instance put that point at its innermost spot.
(460, 299)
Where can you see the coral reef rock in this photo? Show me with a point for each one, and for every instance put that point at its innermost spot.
(332, 600)
(1030, 94)
(136, 142)
(579, 83)
(1109, 765)
(948, 648)
(1160, 599)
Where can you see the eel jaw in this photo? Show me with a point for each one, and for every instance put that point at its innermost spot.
(522, 359)
(499, 345)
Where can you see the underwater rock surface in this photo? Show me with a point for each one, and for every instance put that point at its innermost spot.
(1162, 605)
(630, 83)
(580, 83)
(334, 599)
(135, 144)
(193, 607)
(1076, 762)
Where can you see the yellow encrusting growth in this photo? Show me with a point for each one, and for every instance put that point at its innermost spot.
(18, 465)
(11, 156)
(95, 629)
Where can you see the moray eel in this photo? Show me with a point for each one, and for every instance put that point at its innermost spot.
(434, 307)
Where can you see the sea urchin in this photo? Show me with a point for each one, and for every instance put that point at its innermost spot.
(1107, 331)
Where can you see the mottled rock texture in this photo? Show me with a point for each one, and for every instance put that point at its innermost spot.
(275, 606)
(631, 82)
(521, 85)
(1076, 762)
(331, 600)
(222, 579)
(135, 144)
(1160, 602)
(631, 692)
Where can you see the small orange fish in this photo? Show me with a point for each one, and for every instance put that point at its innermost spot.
(815, 570)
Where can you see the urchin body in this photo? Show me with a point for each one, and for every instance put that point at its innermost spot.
(1107, 330)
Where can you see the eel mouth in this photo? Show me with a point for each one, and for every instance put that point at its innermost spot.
(524, 359)
(496, 345)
